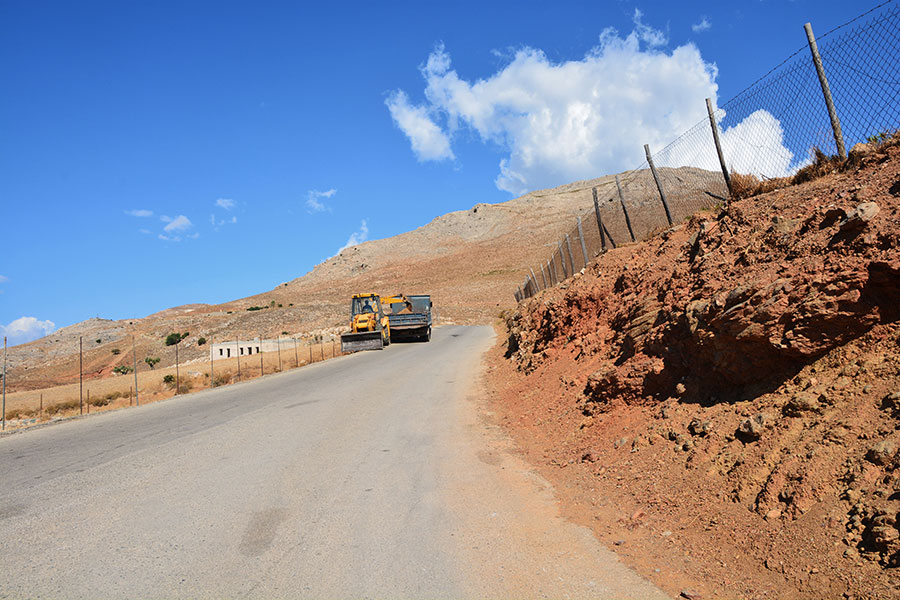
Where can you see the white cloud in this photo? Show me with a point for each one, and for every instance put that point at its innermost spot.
(314, 199)
(704, 25)
(356, 238)
(179, 224)
(755, 146)
(3, 279)
(226, 203)
(139, 212)
(216, 222)
(144, 231)
(560, 122)
(175, 228)
(26, 329)
(428, 141)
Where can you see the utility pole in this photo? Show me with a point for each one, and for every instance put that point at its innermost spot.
(4, 384)
(137, 402)
(81, 375)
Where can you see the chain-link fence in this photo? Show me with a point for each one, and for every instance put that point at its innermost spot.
(770, 130)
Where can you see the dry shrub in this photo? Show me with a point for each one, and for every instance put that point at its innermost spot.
(746, 186)
(59, 407)
(99, 401)
(822, 165)
(20, 413)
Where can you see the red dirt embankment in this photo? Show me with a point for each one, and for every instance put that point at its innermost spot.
(721, 403)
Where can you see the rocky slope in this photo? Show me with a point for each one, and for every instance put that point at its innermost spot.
(738, 379)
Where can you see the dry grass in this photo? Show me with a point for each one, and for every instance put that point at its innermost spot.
(29, 407)
(746, 186)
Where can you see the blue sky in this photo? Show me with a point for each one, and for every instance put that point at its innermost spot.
(157, 154)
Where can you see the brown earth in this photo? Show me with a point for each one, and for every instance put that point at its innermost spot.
(721, 403)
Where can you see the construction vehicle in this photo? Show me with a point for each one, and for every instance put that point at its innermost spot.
(409, 317)
(369, 326)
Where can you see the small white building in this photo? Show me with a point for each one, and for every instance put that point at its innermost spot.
(247, 348)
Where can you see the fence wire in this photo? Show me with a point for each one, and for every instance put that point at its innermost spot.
(770, 130)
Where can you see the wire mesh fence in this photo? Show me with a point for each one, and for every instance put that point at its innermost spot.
(771, 130)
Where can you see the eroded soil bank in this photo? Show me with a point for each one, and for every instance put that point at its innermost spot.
(721, 404)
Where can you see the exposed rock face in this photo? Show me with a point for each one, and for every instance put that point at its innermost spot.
(722, 303)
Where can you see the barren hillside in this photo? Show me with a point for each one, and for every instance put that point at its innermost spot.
(469, 261)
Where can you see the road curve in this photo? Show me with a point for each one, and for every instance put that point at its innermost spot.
(368, 476)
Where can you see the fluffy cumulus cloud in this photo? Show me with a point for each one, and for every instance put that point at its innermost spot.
(315, 200)
(226, 203)
(704, 25)
(357, 237)
(428, 141)
(753, 146)
(561, 122)
(139, 212)
(26, 329)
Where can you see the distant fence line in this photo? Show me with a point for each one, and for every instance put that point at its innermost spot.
(288, 351)
(836, 91)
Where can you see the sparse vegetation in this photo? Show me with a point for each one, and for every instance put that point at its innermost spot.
(115, 351)
(252, 308)
(169, 380)
(152, 361)
(284, 333)
(201, 341)
(176, 338)
(99, 340)
(122, 370)
(280, 306)
(54, 409)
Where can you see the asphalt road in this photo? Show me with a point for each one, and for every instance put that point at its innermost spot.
(368, 476)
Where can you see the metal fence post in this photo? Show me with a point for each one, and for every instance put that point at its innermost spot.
(279, 353)
(569, 250)
(662, 193)
(212, 373)
(177, 378)
(826, 91)
(543, 276)
(715, 132)
(625, 210)
(296, 354)
(262, 368)
(583, 247)
(534, 279)
(237, 344)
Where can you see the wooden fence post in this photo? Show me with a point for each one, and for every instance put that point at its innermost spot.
(715, 132)
(659, 186)
(583, 247)
(826, 91)
(569, 250)
(534, 279)
(543, 277)
(599, 221)
(625, 210)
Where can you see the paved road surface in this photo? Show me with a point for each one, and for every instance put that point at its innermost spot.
(369, 476)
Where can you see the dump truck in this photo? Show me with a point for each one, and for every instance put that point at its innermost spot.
(369, 326)
(409, 317)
